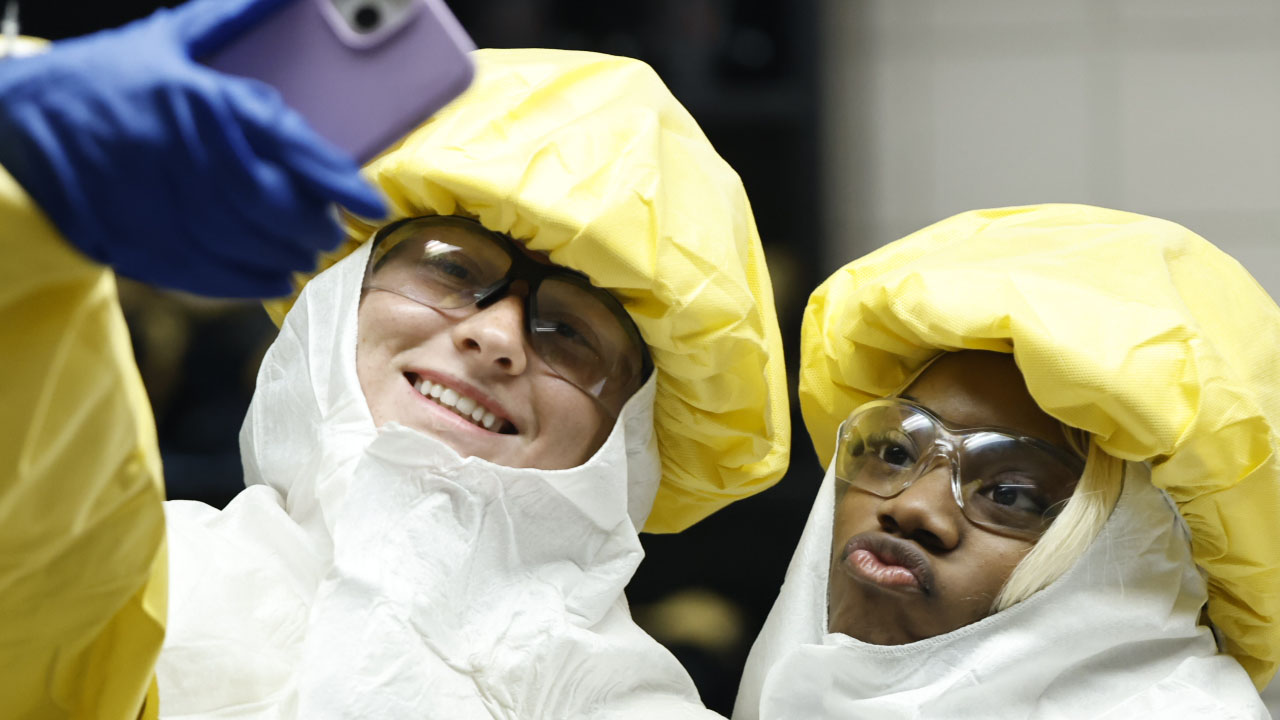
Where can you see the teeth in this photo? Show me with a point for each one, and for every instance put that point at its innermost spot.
(463, 406)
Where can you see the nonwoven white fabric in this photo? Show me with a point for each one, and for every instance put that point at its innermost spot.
(1115, 637)
(375, 573)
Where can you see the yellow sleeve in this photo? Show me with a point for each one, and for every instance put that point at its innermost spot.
(83, 566)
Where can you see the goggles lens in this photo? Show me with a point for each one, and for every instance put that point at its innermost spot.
(1003, 481)
(580, 331)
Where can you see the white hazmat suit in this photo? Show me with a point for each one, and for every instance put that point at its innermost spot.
(1132, 329)
(1117, 637)
(375, 573)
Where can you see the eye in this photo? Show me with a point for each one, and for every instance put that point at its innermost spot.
(453, 268)
(895, 455)
(565, 332)
(570, 339)
(893, 449)
(450, 272)
(1018, 496)
(571, 349)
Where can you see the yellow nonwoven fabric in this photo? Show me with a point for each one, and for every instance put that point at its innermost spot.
(590, 159)
(83, 567)
(1132, 328)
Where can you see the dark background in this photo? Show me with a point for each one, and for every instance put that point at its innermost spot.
(747, 70)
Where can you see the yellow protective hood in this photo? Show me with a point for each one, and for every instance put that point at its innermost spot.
(590, 159)
(1129, 327)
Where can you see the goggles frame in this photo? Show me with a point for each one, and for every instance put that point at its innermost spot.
(521, 268)
(949, 444)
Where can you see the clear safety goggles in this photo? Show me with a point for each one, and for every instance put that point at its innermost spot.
(448, 263)
(1005, 482)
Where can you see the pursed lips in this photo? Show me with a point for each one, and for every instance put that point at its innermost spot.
(462, 404)
(885, 559)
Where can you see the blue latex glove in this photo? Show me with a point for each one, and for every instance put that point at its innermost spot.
(170, 172)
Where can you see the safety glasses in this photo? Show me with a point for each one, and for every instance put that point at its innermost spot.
(449, 263)
(1005, 482)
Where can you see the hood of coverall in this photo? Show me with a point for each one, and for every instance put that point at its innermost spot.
(590, 159)
(1129, 327)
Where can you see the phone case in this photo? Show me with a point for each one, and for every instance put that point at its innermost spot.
(361, 93)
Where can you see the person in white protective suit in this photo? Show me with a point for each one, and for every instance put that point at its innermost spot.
(456, 437)
(1053, 484)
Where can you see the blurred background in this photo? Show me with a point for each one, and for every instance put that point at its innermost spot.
(852, 123)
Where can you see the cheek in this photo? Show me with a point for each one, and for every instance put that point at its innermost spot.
(855, 513)
(571, 425)
(369, 346)
(387, 325)
(368, 363)
(368, 320)
(990, 565)
(594, 429)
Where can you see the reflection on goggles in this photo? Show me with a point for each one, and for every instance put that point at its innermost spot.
(1009, 483)
(580, 331)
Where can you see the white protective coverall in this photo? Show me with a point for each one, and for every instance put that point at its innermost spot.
(374, 573)
(370, 573)
(1160, 346)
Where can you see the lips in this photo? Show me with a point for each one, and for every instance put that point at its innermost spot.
(463, 401)
(888, 562)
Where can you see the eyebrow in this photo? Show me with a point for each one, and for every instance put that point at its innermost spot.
(938, 415)
(935, 413)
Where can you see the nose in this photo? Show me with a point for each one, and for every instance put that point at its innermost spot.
(494, 336)
(925, 511)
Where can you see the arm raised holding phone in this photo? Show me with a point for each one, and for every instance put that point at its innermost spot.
(121, 152)
(168, 171)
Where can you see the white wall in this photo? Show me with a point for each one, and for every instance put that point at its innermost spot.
(1164, 107)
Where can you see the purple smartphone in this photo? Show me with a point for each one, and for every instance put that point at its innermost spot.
(362, 72)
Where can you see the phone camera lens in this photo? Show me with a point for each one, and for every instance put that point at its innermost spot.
(367, 18)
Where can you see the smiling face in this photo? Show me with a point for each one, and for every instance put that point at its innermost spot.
(913, 566)
(426, 368)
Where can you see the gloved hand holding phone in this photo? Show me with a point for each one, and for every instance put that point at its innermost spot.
(172, 173)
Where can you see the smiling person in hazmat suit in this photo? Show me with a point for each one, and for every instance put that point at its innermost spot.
(562, 333)
(459, 432)
(1052, 443)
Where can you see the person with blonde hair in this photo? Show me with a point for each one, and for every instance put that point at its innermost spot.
(1053, 484)
(560, 334)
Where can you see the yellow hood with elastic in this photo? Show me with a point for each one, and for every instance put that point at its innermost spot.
(590, 159)
(1132, 328)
